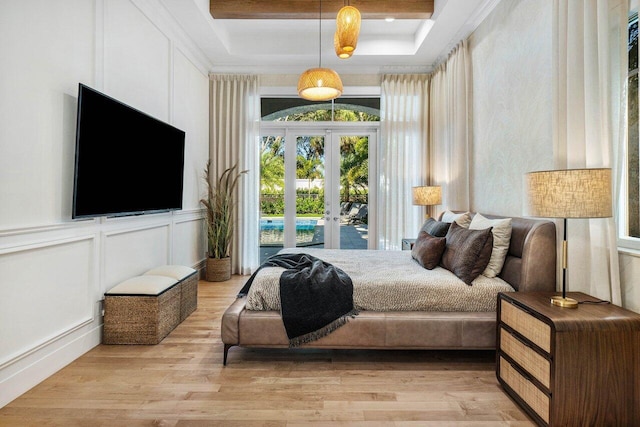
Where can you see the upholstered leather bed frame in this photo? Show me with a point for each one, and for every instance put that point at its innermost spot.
(530, 266)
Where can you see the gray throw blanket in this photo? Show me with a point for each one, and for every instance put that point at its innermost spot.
(316, 297)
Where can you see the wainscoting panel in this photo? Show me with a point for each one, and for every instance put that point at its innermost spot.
(629, 273)
(46, 292)
(131, 252)
(191, 114)
(54, 271)
(188, 242)
(136, 59)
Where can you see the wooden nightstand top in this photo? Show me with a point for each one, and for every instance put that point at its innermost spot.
(590, 314)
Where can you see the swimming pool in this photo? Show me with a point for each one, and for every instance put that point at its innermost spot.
(307, 231)
(278, 224)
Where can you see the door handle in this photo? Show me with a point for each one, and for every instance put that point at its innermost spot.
(335, 218)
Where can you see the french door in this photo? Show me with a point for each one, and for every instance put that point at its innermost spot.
(327, 187)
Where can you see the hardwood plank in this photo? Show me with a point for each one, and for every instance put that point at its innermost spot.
(181, 383)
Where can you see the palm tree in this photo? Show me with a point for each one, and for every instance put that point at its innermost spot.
(272, 164)
(354, 165)
(309, 169)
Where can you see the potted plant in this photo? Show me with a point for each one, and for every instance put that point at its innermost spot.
(220, 206)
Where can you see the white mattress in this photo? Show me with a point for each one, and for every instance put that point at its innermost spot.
(388, 281)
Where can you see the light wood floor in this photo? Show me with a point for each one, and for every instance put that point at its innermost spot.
(181, 382)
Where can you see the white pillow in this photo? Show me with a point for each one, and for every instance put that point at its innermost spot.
(501, 238)
(463, 219)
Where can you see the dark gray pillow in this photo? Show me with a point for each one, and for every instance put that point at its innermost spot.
(427, 250)
(467, 252)
(435, 228)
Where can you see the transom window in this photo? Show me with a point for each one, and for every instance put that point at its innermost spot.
(301, 110)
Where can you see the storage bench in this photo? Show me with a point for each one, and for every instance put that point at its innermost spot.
(187, 280)
(141, 310)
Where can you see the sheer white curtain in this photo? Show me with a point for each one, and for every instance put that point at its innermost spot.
(234, 139)
(450, 127)
(403, 156)
(589, 126)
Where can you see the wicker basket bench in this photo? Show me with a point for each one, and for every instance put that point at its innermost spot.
(141, 310)
(188, 281)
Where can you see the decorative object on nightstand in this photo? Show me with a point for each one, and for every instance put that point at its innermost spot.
(569, 193)
(427, 195)
(407, 244)
(567, 367)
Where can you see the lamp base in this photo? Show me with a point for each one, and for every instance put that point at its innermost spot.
(564, 302)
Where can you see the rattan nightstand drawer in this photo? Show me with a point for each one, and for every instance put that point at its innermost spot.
(525, 389)
(550, 359)
(522, 353)
(526, 325)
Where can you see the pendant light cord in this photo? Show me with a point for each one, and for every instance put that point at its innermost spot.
(320, 38)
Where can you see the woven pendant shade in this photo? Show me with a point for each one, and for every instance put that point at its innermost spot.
(342, 54)
(319, 84)
(348, 28)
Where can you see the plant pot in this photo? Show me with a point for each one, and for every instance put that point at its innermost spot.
(218, 269)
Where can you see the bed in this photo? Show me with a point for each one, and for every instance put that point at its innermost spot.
(395, 310)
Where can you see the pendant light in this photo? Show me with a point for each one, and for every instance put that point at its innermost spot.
(348, 28)
(342, 54)
(319, 84)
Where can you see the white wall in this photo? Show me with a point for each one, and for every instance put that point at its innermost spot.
(54, 271)
(512, 115)
(512, 98)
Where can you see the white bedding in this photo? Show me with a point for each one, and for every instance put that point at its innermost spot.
(388, 281)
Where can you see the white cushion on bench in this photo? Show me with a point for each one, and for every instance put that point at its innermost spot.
(143, 285)
(177, 272)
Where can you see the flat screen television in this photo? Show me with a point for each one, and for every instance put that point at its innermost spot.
(126, 162)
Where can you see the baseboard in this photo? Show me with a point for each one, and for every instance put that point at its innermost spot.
(18, 378)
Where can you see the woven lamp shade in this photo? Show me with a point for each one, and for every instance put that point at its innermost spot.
(427, 195)
(348, 28)
(342, 54)
(319, 84)
(570, 193)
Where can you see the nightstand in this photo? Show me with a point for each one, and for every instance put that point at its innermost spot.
(569, 367)
(407, 244)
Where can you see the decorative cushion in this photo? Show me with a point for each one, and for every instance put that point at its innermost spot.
(177, 272)
(463, 219)
(143, 285)
(435, 228)
(428, 249)
(501, 230)
(467, 252)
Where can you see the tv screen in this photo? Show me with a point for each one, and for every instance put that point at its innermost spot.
(127, 162)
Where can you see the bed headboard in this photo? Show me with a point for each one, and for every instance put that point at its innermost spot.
(531, 261)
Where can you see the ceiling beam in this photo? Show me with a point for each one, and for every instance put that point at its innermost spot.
(308, 9)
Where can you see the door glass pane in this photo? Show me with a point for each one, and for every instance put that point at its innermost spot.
(354, 192)
(310, 191)
(271, 195)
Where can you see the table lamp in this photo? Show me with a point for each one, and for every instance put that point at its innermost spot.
(427, 196)
(568, 193)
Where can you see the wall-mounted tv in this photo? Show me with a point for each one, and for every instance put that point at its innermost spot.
(127, 162)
